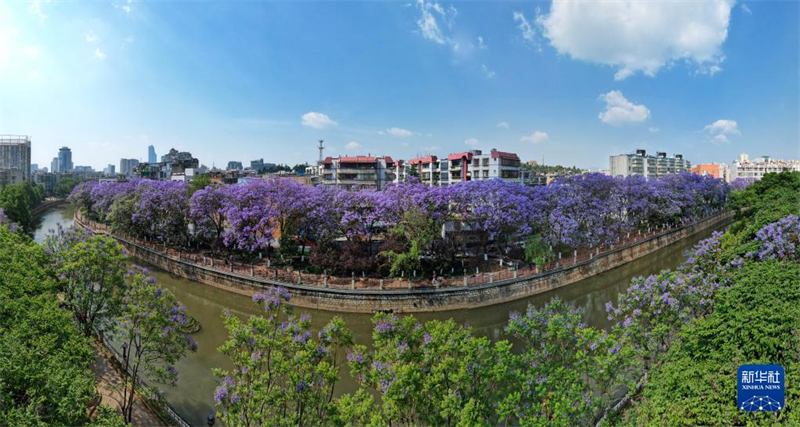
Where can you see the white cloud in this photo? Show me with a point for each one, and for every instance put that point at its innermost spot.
(129, 40)
(31, 52)
(721, 130)
(639, 36)
(746, 9)
(36, 9)
(488, 72)
(535, 138)
(399, 132)
(99, 54)
(91, 37)
(125, 7)
(471, 141)
(620, 111)
(525, 28)
(503, 125)
(481, 44)
(653, 129)
(317, 120)
(352, 145)
(428, 24)
(720, 139)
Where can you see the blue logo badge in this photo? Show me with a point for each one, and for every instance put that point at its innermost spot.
(761, 388)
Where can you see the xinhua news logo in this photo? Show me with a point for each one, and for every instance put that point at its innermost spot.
(761, 388)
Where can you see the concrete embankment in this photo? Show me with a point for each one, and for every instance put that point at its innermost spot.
(415, 300)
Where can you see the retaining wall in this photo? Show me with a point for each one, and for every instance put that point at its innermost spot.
(424, 299)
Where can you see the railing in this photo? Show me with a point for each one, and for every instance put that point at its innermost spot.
(166, 408)
(263, 271)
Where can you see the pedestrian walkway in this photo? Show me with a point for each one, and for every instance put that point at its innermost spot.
(108, 384)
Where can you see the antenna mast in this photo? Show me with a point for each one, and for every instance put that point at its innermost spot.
(320, 151)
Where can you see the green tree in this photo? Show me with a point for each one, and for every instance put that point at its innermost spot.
(199, 182)
(149, 331)
(281, 375)
(44, 359)
(64, 187)
(419, 231)
(538, 252)
(93, 274)
(18, 201)
(438, 373)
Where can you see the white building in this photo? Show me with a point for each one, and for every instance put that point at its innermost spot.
(754, 170)
(467, 166)
(640, 164)
(356, 172)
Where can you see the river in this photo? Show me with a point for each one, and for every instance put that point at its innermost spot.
(192, 397)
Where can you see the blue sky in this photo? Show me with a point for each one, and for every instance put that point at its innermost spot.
(240, 80)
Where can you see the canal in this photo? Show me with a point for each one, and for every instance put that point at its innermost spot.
(192, 397)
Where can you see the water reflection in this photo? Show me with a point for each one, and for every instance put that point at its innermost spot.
(193, 395)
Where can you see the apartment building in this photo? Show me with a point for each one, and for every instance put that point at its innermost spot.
(356, 172)
(15, 159)
(649, 166)
(754, 170)
(467, 166)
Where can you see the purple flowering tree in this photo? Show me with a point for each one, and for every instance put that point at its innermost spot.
(779, 240)
(149, 331)
(206, 213)
(251, 218)
(281, 375)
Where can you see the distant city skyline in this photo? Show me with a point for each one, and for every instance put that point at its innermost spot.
(708, 79)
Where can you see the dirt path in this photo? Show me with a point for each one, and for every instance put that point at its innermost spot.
(107, 379)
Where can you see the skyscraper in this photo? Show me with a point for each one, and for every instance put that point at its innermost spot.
(54, 165)
(15, 159)
(126, 166)
(151, 155)
(64, 159)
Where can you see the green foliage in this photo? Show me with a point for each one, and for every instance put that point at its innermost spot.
(432, 374)
(44, 359)
(18, 201)
(538, 252)
(64, 187)
(419, 231)
(281, 376)
(755, 321)
(149, 330)
(554, 169)
(93, 276)
(199, 182)
(567, 372)
(762, 203)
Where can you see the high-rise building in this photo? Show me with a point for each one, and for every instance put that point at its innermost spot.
(648, 166)
(15, 159)
(126, 166)
(234, 165)
(151, 155)
(109, 170)
(65, 160)
(54, 165)
(257, 165)
(34, 167)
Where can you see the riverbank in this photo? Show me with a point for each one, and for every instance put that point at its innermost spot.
(324, 293)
